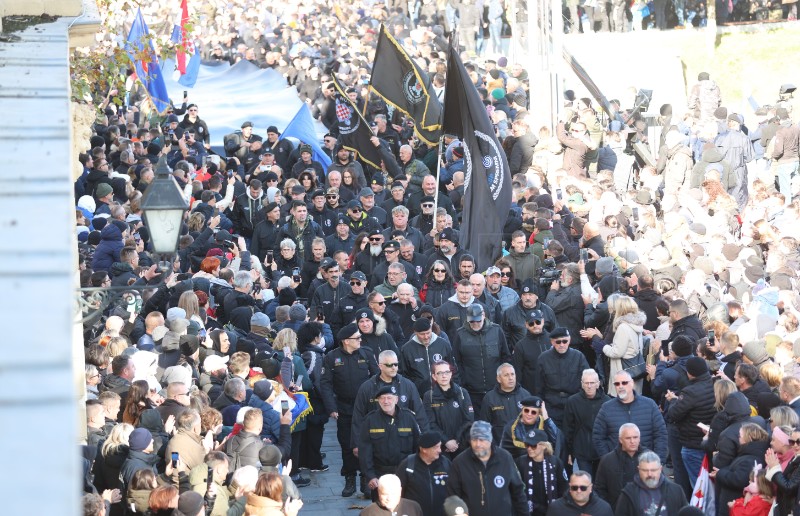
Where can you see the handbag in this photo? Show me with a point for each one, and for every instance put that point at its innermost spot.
(635, 366)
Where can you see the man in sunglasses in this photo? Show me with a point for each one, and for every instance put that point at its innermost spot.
(580, 500)
(367, 399)
(528, 350)
(558, 373)
(351, 303)
(628, 407)
(328, 296)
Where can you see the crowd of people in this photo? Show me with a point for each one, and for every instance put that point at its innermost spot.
(644, 315)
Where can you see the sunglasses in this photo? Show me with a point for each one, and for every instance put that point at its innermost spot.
(439, 270)
(793, 442)
(356, 210)
(379, 302)
(390, 250)
(395, 364)
(355, 283)
(375, 239)
(579, 488)
(427, 205)
(561, 341)
(530, 411)
(535, 323)
(617, 384)
(331, 196)
(505, 274)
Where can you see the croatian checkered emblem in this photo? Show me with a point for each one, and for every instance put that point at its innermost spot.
(188, 46)
(343, 112)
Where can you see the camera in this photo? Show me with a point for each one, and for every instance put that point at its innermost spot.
(548, 273)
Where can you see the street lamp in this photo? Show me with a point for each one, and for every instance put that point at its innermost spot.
(163, 205)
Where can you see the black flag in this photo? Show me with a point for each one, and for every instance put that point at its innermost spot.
(399, 81)
(354, 133)
(487, 178)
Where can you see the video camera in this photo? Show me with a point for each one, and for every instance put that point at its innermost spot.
(548, 273)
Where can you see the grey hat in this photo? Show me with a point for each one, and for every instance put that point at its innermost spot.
(189, 504)
(604, 266)
(366, 192)
(269, 455)
(175, 313)
(260, 319)
(298, 312)
(481, 430)
(474, 312)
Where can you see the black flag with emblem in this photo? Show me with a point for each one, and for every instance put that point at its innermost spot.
(354, 132)
(399, 81)
(487, 178)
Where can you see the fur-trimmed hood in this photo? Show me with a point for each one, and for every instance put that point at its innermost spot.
(635, 321)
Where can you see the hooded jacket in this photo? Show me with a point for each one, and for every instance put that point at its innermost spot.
(679, 167)
(526, 357)
(525, 265)
(137, 460)
(637, 499)
(107, 251)
(735, 477)
(522, 153)
(724, 433)
(646, 300)
(416, 360)
(478, 354)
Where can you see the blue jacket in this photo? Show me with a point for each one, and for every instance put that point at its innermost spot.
(272, 420)
(107, 251)
(670, 376)
(643, 412)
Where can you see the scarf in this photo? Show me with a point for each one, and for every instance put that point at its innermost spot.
(549, 478)
(298, 236)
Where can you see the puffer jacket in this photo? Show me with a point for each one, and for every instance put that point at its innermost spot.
(724, 433)
(679, 168)
(694, 405)
(735, 477)
(107, 251)
(643, 412)
(627, 342)
(435, 293)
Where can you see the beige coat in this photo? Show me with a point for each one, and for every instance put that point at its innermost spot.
(190, 448)
(626, 344)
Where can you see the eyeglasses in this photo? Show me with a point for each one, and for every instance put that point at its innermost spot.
(375, 239)
(439, 270)
(427, 205)
(379, 302)
(353, 338)
(443, 373)
(561, 341)
(505, 274)
(395, 364)
(617, 384)
(579, 488)
(355, 283)
(391, 250)
(530, 411)
(396, 273)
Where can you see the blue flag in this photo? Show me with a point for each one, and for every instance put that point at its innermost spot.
(302, 128)
(145, 61)
(192, 69)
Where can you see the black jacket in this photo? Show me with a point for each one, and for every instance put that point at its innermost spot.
(329, 299)
(689, 326)
(514, 320)
(246, 214)
(526, 357)
(566, 506)
(452, 315)
(695, 404)
(787, 482)
(579, 415)
(346, 312)
(732, 479)
(489, 489)
(646, 299)
(416, 360)
(310, 231)
(500, 407)
(342, 375)
(425, 483)
(558, 376)
(567, 304)
(408, 398)
(522, 153)
(632, 499)
(616, 469)
(478, 354)
(449, 412)
(385, 440)
(265, 238)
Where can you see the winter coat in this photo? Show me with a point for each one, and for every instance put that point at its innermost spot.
(499, 407)
(416, 360)
(709, 157)
(137, 460)
(578, 423)
(646, 300)
(567, 304)
(627, 343)
(435, 293)
(271, 425)
(106, 468)
(724, 432)
(478, 354)
(526, 357)
(449, 412)
(424, 483)
(643, 412)
(262, 506)
(615, 470)
(515, 319)
(107, 251)
(694, 405)
(558, 376)
(678, 171)
(525, 265)
(732, 479)
(575, 150)
(522, 153)
(408, 398)
(242, 450)
(634, 500)
(190, 448)
(787, 482)
(489, 489)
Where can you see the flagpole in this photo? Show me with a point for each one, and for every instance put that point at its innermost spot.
(438, 173)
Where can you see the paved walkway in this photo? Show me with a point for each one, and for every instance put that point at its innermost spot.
(324, 495)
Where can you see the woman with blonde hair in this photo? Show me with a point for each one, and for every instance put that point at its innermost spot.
(732, 479)
(267, 498)
(627, 326)
(111, 455)
(191, 304)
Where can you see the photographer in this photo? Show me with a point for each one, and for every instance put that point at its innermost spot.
(566, 301)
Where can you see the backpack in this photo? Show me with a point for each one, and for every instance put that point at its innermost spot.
(235, 455)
